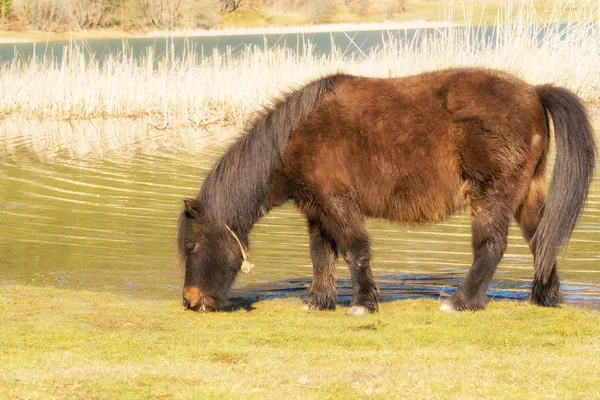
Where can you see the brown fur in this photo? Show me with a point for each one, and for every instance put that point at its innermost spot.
(407, 154)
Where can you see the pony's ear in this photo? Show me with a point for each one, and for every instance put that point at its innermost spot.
(192, 208)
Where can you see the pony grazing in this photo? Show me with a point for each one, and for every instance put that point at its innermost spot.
(412, 150)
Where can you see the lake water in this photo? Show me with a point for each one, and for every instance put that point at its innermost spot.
(94, 206)
(349, 42)
(322, 42)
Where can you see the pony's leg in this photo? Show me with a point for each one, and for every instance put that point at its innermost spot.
(322, 293)
(344, 220)
(364, 287)
(490, 220)
(528, 215)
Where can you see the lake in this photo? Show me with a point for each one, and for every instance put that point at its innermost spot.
(93, 205)
(349, 42)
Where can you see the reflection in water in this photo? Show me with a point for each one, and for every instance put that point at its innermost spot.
(94, 205)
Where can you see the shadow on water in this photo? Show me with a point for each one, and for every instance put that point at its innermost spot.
(393, 287)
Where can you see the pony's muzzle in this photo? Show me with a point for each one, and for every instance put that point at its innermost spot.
(186, 302)
(195, 300)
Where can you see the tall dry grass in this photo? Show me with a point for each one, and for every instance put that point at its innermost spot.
(222, 88)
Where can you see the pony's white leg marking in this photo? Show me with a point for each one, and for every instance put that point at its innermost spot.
(357, 310)
(447, 307)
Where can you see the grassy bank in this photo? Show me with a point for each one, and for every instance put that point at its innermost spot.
(66, 344)
(40, 20)
(225, 88)
(460, 12)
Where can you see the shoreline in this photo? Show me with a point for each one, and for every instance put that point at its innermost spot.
(10, 37)
(343, 27)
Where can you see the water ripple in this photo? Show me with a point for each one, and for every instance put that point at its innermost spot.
(97, 209)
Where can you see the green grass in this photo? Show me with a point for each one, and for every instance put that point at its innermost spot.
(66, 344)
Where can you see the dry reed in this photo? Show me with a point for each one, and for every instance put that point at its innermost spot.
(224, 88)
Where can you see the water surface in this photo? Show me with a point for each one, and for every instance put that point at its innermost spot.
(349, 42)
(94, 205)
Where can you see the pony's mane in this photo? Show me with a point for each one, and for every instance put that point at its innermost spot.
(236, 190)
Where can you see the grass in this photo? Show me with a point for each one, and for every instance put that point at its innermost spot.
(225, 88)
(251, 18)
(487, 11)
(74, 344)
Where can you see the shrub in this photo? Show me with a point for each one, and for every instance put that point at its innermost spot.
(6, 8)
(169, 14)
(86, 14)
(46, 15)
(230, 5)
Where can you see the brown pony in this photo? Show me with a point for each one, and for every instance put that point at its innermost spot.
(412, 150)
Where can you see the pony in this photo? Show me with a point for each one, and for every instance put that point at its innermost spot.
(412, 150)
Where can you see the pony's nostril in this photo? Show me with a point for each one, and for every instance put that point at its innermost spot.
(186, 302)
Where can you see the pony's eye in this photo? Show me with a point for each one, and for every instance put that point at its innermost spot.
(191, 247)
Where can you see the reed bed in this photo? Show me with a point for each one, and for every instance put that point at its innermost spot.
(226, 87)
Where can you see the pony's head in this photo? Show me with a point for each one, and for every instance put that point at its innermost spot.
(212, 257)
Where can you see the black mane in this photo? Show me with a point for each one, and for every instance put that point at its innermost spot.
(236, 190)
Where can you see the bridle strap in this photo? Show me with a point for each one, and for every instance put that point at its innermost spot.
(246, 265)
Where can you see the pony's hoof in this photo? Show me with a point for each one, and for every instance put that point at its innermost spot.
(447, 307)
(545, 295)
(311, 306)
(357, 310)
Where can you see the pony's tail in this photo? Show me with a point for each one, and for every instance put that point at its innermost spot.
(571, 178)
